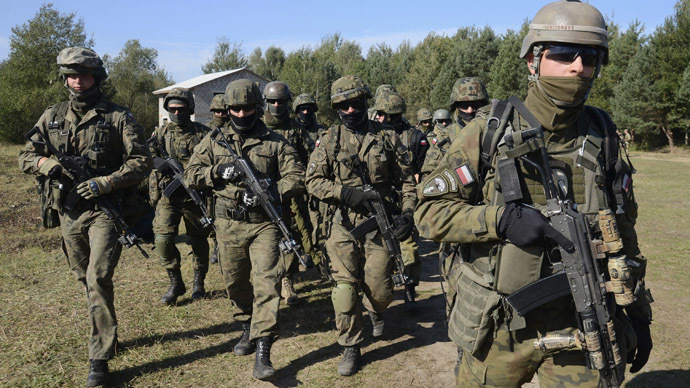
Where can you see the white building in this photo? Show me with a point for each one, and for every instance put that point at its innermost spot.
(204, 87)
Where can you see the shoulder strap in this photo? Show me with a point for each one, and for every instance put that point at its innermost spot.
(58, 113)
(498, 118)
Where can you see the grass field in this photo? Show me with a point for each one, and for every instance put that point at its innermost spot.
(44, 326)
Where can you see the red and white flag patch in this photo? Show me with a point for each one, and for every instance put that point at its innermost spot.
(318, 141)
(627, 182)
(423, 142)
(465, 174)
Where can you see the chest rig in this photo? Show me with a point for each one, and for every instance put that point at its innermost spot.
(91, 142)
(180, 145)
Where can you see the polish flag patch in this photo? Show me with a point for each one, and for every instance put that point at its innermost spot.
(318, 141)
(423, 142)
(434, 140)
(465, 174)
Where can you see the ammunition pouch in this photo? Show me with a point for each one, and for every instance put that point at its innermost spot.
(475, 309)
(516, 267)
(51, 195)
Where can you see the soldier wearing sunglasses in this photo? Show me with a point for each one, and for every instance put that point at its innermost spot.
(507, 244)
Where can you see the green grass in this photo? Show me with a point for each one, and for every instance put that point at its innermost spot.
(44, 326)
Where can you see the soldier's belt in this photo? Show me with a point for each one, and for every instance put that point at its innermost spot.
(241, 215)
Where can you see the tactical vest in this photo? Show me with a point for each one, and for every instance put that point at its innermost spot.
(180, 147)
(587, 170)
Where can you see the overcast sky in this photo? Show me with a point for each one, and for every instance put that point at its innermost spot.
(185, 32)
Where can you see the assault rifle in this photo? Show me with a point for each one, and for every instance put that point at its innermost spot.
(76, 169)
(178, 181)
(581, 273)
(379, 218)
(260, 189)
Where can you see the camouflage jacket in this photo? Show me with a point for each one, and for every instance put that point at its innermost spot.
(453, 207)
(380, 149)
(108, 137)
(295, 133)
(418, 145)
(268, 152)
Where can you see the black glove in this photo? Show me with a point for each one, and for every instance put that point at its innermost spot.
(162, 166)
(404, 226)
(354, 198)
(525, 226)
(227, 171)
(638, 357)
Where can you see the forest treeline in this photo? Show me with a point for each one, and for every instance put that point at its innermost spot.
(646, 85)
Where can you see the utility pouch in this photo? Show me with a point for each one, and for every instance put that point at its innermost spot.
(50, 193)
(517, 267)
(471, 319)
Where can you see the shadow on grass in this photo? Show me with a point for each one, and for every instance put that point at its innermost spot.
(660, 378)
(222, 328)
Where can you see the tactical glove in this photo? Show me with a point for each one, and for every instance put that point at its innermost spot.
(95, 187)
(354, 198)
(525, 226)
(51, 168)
(404, 226)
(162, 166)
(250, 200)
(638, 357)
(227, 171)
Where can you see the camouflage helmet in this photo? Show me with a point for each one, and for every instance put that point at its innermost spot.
(384, 89)
(277, 90)
(304, 99)
(423, 114)
(567, 21)
(80, 60)
(347, 88)
(243, 92)
(180, 94)
(441, 114)
(391, 104)
(468, 89)
(217, 102)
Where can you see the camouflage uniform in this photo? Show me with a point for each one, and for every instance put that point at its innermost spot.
(108, 136)
(313, 127)
(392, 104)
(424, 114)
(454, 207)
(362, 264)
(178, 139)
(248, 241)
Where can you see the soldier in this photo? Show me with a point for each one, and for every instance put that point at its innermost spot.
(424, 120)
(277, 118)
(114, 148)
(304, 107)
(389, 110)
(468, 95)
(249, 256)
(504, 244)
(220, 118)
(178, 138)
(362, 264)
(439, 139)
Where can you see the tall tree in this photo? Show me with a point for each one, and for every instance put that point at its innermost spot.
(29, 80)
(133, 74)
(269, 64)
(509, 71)
(227, 56)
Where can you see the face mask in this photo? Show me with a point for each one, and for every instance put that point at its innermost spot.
(243, 124)
(83, 101)
(355, 120)
(218, 121)
(277, 111)
(466, 117)
(565, 91)
(182, 118)
(306, 119)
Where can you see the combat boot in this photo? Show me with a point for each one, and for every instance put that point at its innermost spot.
(245, 346)
(198, 291)
(263, 369)
(288, 291)
(376, 323)
(98, 373)
(176, 288)
(349, 364)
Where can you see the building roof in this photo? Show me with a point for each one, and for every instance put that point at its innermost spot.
(196, 81)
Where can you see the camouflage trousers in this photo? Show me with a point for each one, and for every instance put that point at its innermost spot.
(317, 209)
(508, 359)
(167, 222)
(89, 240)
(300, 223)
(410, 255)
(250, 262)
(366, 264)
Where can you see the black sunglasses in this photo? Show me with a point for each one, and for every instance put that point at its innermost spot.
(564, 53)
(273, 101)
(245, 108)
(355, 104)
(425, 122)
(464, 105)
(305, 108)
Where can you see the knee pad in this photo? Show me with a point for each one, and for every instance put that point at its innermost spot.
(165, 246)
(344, 297)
